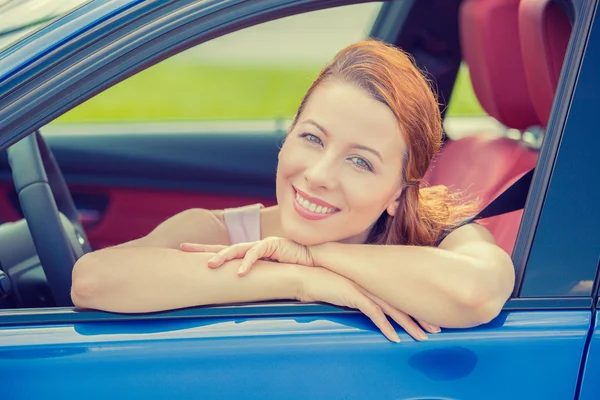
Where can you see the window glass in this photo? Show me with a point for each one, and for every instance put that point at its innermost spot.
(257, 73)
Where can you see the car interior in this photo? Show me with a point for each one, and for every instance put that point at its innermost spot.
(514, 50)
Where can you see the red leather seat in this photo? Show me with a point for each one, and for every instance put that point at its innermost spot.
(483, 165)
(544, 31)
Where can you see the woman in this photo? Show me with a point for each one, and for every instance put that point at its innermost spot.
(348, 179)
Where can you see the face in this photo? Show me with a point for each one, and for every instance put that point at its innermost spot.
(340, 167)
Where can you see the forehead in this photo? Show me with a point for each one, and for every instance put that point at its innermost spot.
(350, 114)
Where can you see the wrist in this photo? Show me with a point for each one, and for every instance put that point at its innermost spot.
(294, 280)
(317, 254)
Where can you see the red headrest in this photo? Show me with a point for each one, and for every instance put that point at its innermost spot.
(491, 47)
(544, 29)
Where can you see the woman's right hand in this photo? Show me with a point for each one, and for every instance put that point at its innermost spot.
(319, 284)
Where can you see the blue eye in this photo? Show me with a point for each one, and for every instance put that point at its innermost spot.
(361, 163)
(309, 137)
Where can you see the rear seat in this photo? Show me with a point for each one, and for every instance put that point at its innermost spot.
(544, 31)
(483, 165)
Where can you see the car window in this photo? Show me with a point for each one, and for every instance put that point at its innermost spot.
(260, 72)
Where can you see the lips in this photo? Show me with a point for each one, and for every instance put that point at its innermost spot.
(314, 200)
(316, 214)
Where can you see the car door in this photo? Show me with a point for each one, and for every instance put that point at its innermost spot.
(533, 349)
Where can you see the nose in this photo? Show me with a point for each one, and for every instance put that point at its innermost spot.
(322, 172)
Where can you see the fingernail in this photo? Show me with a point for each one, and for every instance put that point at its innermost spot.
(212, 259)
(240, 270)
(423, 336)
(433, 329)
(396, 339)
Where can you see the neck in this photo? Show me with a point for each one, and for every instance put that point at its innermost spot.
(270, 222)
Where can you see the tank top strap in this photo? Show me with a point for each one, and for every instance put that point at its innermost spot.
(243, 223)
(449, 231)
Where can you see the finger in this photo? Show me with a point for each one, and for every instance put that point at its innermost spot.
(401, 318)
(229, 253)
(405, 321)
(197, 247)
(429, 327)
(251, 257)
(376, 314)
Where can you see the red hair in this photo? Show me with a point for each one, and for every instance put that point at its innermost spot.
(389, 75)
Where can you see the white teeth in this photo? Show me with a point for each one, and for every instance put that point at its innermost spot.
(312, 206)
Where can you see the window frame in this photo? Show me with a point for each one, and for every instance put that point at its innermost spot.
(550, 188)
(144, 34)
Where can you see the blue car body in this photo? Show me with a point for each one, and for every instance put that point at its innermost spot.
(543, 345)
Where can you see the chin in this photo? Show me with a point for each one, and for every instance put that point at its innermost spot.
(304, 238)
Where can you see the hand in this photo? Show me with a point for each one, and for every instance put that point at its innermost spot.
(322, 285)
(271, 248)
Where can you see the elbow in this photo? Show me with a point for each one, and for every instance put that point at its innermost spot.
(86, 282)
(481, 309)
(485, 298)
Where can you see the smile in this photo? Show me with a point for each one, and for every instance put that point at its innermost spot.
(311, 208)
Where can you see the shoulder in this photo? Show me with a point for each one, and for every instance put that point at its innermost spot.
(218, 215)
(471, 232)
(196, 225)
(476, 242)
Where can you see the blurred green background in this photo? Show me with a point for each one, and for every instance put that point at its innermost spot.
(172, 91)
(261, 72)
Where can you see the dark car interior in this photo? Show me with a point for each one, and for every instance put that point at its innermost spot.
(123, 184)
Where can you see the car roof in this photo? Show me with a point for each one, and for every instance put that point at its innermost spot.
(58, 31)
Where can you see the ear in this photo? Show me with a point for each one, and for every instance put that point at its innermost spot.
(395, 202)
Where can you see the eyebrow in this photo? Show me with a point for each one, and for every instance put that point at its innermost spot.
(354, 146)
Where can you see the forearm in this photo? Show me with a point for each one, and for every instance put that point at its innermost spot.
(156, 279)
(434, 285)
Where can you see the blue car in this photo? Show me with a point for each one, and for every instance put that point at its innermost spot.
(534, 67)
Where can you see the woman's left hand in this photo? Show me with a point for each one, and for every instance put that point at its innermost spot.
(271, 248)
(288, 251)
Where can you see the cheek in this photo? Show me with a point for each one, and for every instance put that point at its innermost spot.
(368, 195)
(288, 166)
(292, 161)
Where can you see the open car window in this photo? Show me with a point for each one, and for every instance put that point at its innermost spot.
(257, 73)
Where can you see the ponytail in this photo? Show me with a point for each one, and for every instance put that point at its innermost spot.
(423, 217)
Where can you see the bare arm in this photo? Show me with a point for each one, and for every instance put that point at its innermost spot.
(463, 283)
(151, 274)
(134, 279)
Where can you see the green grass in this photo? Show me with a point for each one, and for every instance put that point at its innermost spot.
(183, 91)
(463, 100)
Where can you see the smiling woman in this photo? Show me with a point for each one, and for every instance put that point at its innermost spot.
(349, 176)
(395, 130)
